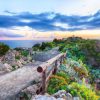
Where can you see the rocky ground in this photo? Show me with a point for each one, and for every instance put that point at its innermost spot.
(60, 95)
(13, 59)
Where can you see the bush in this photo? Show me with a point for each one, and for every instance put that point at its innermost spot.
(24, 53)
(85, 93)
(3, 49)
(36, 47)
(56, 83)
(17, 57)
(64, 75)
(46, 45)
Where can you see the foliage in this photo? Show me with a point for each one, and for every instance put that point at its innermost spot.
(56, 83)
(24, 53)
(78, 66)
(72, 91)
(46, 45)
(3, 49)
(85, 93)
(96, 73)
(18, 49)
(64, 75)
(43, 46)
(36, 47)
(25, 96)
(17, 57)
(13, 68)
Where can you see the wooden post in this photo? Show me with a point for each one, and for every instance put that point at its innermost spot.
(44, 82)
(40, 70)
(61, 60)
(55, 67)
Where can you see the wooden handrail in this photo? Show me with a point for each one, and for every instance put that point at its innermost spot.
(12, 83)
(43, 66)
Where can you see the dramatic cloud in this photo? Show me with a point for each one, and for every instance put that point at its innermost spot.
(51, 21)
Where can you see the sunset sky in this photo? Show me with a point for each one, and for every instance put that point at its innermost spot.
(48, 19)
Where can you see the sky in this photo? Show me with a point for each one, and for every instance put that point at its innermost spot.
(48, 19)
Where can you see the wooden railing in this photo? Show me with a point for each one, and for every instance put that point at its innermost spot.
(12, 83)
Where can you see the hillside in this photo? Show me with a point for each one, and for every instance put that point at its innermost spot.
(81, 53)
(77, 76)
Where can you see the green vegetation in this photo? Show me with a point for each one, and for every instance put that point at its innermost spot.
(56, 83)
(60, 81)
(79, 54)
(83, 92)
(82, 62)
(43, 46)
(17, 57)
(13, 68)
(3, 49)
(24, 53)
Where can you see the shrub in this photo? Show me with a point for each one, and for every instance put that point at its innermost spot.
(46, 45)
(17, 57)
(85, 92)
(64, 75)
(36, 47)
(3, 49)
(24, 53)
(13, 68)
(56, 83)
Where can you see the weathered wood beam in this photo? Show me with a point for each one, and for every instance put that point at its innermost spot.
(11, 84)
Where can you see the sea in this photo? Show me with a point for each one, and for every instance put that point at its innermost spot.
(22, 43)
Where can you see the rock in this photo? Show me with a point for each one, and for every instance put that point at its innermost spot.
(22, 61)
(31, 90)
(76, 98)
(5, 67)
(10, 56)
(2, 73)
(60, 99)
(1, 65)
(43, 97)
(19, 63)
(44, 56)
(8, 68)
(69, 96)
(62, 94)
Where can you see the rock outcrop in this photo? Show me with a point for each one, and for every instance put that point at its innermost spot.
(60, 95)
(44, 56)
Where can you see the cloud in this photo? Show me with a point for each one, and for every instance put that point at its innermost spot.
(8, 34)
(8, 12)
(51, 21)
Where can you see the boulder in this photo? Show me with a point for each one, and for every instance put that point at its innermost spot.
(44, 56)
(10, 56)
(43, 97)
(8, 68)
(31, 90)
(76, 98)
(19, 63)
(5, 67)
(22, 61)
(62, 94)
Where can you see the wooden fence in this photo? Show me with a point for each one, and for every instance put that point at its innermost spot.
(12, 83)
